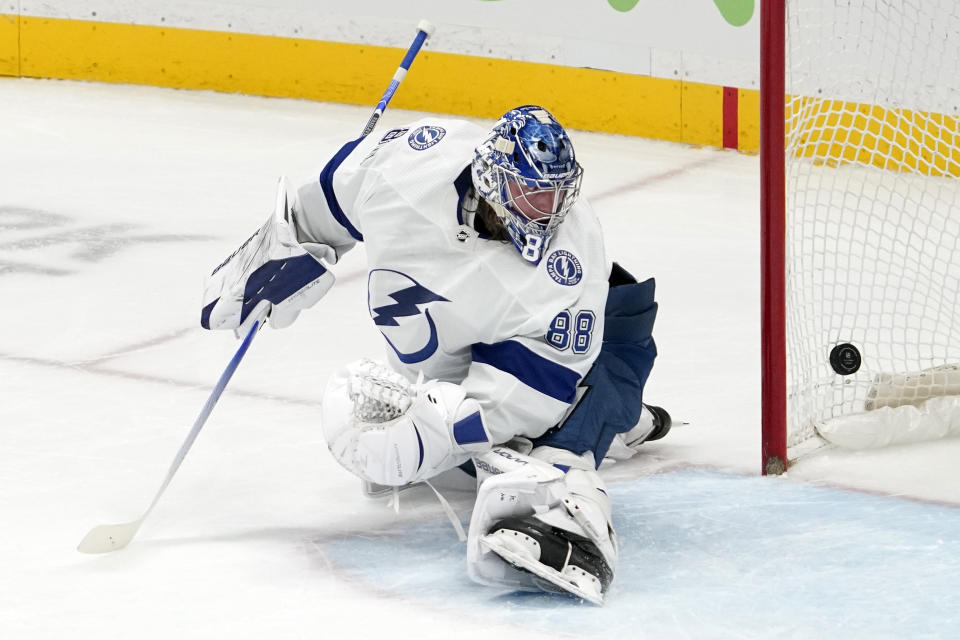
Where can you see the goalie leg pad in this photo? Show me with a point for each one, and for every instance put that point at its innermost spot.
(536, 527)
(563, 561)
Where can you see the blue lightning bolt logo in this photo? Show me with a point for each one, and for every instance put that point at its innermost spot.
(408, 301)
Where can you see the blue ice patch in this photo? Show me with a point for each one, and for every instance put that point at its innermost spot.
(707, 554)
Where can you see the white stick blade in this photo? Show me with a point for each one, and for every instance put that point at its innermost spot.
(108, 537)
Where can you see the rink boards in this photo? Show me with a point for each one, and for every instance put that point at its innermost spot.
(667, 108)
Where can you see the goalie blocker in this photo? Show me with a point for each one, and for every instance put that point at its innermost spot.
(271, 274)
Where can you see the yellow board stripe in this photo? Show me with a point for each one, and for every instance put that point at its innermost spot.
(834, 132)
(352, 73)
(748, 120)
(702, 111)
(9, 45)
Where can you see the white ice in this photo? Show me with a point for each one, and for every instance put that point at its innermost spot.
(114, 203)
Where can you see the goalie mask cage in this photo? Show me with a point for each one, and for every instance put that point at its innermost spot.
(860, 159)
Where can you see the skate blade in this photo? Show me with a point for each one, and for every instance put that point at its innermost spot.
(551, 575)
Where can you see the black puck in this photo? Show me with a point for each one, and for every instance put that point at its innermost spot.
(845, 359)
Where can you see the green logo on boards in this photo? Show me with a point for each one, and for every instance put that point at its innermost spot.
(736, 12)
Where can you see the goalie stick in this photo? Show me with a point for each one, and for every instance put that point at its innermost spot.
(424, 30)
(111, 537)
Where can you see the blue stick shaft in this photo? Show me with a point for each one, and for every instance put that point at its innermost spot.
(209, 405)
(110, 537)
(423, 32)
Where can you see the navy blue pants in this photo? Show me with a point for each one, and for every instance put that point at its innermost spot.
(613, 388)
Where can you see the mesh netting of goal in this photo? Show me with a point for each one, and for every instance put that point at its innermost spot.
(871, 170)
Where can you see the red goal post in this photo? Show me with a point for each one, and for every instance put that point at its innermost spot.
(773, 267)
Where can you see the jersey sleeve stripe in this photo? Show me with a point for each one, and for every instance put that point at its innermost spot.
(469, 430)
(546, 376)
(326, 183)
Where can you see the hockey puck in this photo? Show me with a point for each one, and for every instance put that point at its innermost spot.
(845, 359)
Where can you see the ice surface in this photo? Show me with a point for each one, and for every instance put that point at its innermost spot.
(114, 203)
(709, 554)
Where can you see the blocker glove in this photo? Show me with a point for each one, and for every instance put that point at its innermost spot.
(271, 274)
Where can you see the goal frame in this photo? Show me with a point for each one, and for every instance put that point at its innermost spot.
(773, 238)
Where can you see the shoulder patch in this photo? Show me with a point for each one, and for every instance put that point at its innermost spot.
(425, 137)
(564, 268)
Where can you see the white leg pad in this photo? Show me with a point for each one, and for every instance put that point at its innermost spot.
(523, 551)
(511, 484)
(574, 501)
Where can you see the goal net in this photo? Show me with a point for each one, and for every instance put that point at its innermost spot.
(871, 207)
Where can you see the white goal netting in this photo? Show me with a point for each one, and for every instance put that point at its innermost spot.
(873, 215)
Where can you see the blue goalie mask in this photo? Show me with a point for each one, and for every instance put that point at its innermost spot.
(527, 171)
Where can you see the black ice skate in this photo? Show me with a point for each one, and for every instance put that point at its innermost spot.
(661, 422)
(654, 424)
(562, 561)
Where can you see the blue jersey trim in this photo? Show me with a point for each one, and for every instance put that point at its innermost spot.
(469, 430)
(326, 183)
(546, 376)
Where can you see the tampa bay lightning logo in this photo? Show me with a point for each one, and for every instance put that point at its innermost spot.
(564, 267)
(399, 306)
(425, 137)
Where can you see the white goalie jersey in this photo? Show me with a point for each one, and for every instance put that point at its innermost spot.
(449, 302)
